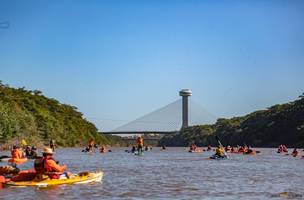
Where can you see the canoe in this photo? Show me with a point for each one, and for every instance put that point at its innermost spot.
(81, 178)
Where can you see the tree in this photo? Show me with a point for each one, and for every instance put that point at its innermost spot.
(37, 92)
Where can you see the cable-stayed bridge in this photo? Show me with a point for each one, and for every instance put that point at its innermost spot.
(168, 119)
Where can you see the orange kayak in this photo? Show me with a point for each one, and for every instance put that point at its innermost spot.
(18, 161)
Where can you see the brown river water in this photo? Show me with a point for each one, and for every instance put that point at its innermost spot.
(174, 174)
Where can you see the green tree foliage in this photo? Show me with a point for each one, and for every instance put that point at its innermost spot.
(279, 124)
(31, 115)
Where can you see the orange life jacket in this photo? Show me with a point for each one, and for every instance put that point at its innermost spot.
(140, 141)
(42, 167)
(17, 154)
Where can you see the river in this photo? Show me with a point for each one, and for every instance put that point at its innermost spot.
(174, 174)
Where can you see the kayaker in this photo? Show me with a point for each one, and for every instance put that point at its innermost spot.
(228, 148)
(133, 149)
(28, 151)
(242, 149)
(102, 149)
(220, 152)
(282, 148)
(295, 152)
(163, 147)
(140, 143)
(193, 147)
(249, 151)
(52, 144)
(33, 152)
(91, 145)
(46, 165)
(17, 153)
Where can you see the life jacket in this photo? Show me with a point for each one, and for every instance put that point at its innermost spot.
(42, 167)
(39, 165)
(140, 141)
(219, 151)
(295, 153)
(17, 154)
(242, 149)
(91, 142)
(49, 170)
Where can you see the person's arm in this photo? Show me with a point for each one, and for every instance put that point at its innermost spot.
(56, 167)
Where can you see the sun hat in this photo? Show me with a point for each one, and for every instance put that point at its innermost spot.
(47, 150)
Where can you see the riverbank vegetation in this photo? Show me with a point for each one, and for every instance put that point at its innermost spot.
(279, 124)
(29, 115)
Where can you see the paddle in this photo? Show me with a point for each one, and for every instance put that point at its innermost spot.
(1, 157)
(218, 140)
(4, 158)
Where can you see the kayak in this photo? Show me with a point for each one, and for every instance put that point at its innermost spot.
(81, 178)
(195, 151)
(18, 161)
(253, 153)
(139, 153)
(215, 157)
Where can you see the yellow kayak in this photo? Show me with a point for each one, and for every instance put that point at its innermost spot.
(83, 177)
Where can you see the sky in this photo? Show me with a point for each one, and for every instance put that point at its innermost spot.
(117, 60)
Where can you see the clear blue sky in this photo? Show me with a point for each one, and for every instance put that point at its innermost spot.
(122, 59)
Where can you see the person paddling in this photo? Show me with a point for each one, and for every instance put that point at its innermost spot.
(220, 152)
(193, 147)
(295, 152)
(91, 145)
(30, 152)
(102, 149)
(47, 165)
(133, 149)
(52, 144)
(140, 143)
(17, 153)
(18, 157)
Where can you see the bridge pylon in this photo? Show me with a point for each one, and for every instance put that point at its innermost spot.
(185, 93)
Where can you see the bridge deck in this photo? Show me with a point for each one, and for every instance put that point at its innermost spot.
(139, 132)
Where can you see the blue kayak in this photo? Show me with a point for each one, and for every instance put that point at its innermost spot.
(217, 157)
